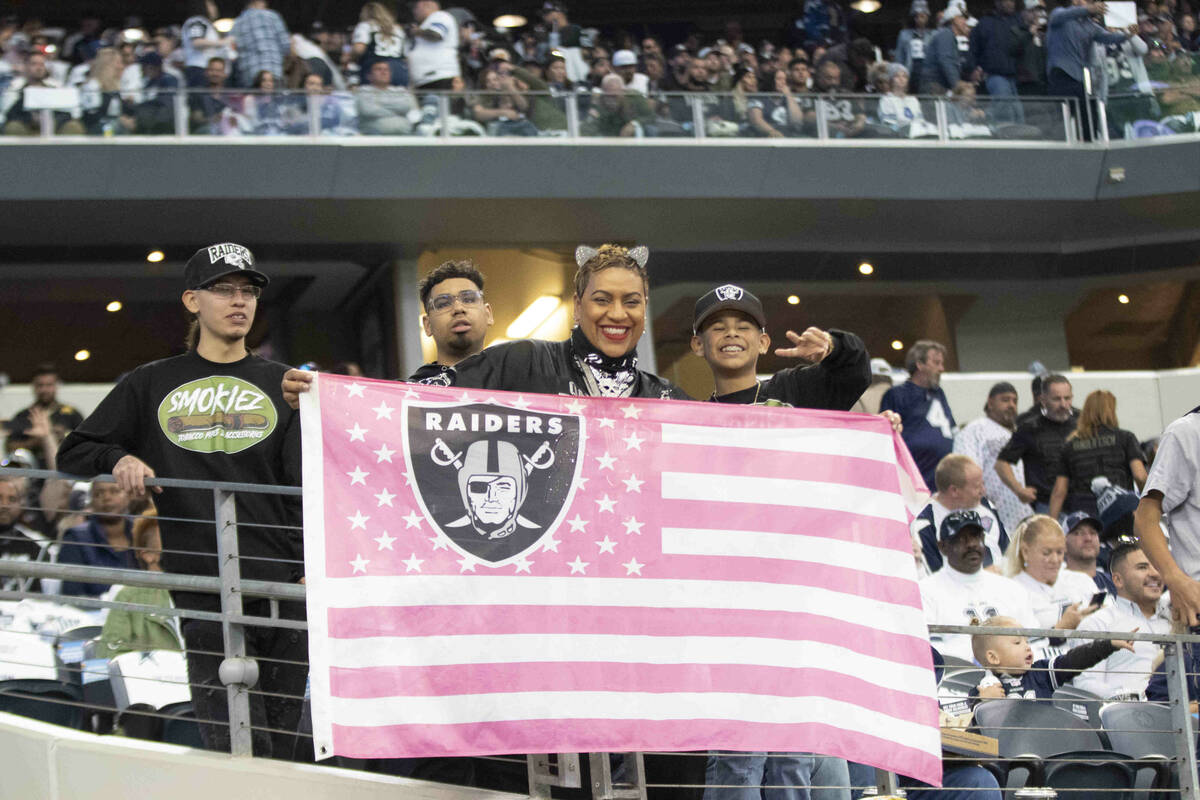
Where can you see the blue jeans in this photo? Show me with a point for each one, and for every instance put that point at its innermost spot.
(740, 776)
(1001, 88)
(977, 783)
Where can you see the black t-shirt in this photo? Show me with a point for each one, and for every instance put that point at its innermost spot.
(63, 418)
(187, 417)
(1038, 443)
(1108, 453)
(834, 384)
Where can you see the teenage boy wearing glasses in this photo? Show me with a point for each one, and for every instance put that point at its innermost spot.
(455, 317)
(215, 413)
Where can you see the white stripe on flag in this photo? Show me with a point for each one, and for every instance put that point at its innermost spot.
(817, 441)
(526, 648)
(524, 590)
(783, 492)
(474, 708)
(790, 547)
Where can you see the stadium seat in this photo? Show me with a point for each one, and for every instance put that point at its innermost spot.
(1040, 743)
(180, 726)
(958, 681)
(1144, 731)
(45, 700)
(155, 677)
(1081, 703)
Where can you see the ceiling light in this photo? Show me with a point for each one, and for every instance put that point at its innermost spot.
(897, 344)
(82, 355)
(865, 268)
(793, 300)
(1123, 299)
(113, 306)
(510, 21)
(223, 25)
(155, 256)
(866, 6)
(534, 315)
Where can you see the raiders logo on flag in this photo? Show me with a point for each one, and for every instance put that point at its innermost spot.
(492, 479)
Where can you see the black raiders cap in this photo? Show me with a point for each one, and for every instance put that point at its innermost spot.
(218, 260)
(958, 521)
(728, 297)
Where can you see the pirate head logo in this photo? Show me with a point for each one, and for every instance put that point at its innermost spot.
(492, 479)
(729, 292)
(233, 255)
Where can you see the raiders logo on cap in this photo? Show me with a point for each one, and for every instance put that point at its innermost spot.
(492, 479)
(729, 292)
(208, 264)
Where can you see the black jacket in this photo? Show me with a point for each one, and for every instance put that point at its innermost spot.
(542, 367)
(835, 384)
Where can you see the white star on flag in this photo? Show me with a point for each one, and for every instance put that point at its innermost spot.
(632, 566)
(633, 442)
(358, 476)
(520, 402)
(383, 410)
(359, 563)
(550, 545)
(408, 479)
(578, 524)
(465, 397)
(633, 526)
(523, 564)
(357, 433)
(606, 504)
(578, 566)
(413, 564)
(605, 422)
(606, 461)
(410, 394)
(383, 454)
(413, 520)
(606, 545)
(358, 520)
(632, 484)
(385, 498)
(466, 564)
(385, 541)
(355, 389)
(575, 407)
(438, 543)
(581, 483)
(631, 411)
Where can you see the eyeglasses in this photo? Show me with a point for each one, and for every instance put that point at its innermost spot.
(469, 298)
(228, 290)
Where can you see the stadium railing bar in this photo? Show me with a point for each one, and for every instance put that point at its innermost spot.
(610, 779)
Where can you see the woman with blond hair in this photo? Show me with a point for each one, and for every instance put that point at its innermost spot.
(1060, 598)
(377, 37)
(1097, 448)
(105, 112)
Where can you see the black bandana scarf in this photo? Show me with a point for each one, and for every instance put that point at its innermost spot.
(615, 377)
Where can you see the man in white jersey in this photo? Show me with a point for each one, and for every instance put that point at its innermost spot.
(962, 590)
(433, 59)
(982, 439)
(1125, 673)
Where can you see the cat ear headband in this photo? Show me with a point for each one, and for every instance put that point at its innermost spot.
(584, 254)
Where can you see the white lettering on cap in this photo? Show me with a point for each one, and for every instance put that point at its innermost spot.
(232, 254)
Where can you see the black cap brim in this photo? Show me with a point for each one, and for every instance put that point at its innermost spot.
(256, 277)
(749, 309)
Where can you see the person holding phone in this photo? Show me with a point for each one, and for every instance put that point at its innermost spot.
(1060, 598)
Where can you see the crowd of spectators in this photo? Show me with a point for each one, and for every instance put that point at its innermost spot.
(258, 77)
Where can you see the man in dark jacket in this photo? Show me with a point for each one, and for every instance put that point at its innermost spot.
(992, 46)
(943, 61)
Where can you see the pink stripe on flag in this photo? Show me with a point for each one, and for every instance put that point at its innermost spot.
(862, 472)
(593, 735)
(369, 621)
(607, 676)
(845, 526)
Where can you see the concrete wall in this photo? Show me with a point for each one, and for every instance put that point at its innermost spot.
(47, 762)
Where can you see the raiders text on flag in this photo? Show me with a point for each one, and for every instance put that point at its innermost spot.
(498, 573)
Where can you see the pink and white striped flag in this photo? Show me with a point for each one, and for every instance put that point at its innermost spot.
(499, 573)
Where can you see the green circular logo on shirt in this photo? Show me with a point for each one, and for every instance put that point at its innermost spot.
(219, 414)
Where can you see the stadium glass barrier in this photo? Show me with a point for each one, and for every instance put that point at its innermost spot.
(53, 666)
(576, 114)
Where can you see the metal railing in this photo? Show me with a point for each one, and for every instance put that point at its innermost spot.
(240, 114)
(612, 777)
